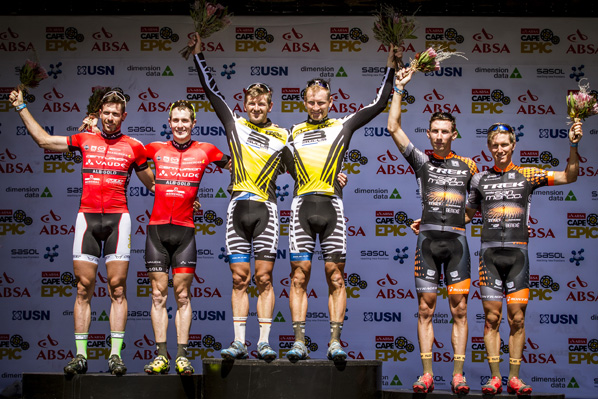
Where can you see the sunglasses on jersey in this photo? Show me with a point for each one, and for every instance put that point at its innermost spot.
(318, 82)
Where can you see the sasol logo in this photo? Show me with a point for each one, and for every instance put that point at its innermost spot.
(391, 223)
(550, 73)
(58, 284)
(542, 287)
(530, 106)
(9, 290)
(292, 100)
(202, 346)
(12, 346)
(14, 223)
(583, 350)
(436, 104)
(294, 43)
(252, 39)
(54, 103)
(205, 222)
(535, 41)
(443, 38)
(104, 42)
(390, 348)
(59, 38)
(576, 47)
(551, 318)
(388, 291)
(486, 45)
(581, 226)
(50, 350)
(550, 257)
(7, 166)
(269, 71)
(347, 39)
(486, 101)
(353, 159)
(103, 70)
(578, 292)
(374, 254)
(353, 284)
(388, 168)
(9, 42)
(154, 38)
(379, 317)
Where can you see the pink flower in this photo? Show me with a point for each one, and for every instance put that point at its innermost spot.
(431, 52)
(437, 66)
(210, 9)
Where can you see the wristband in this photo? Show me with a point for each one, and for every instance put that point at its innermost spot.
(400, 92)
(574, 145)
(20, 107)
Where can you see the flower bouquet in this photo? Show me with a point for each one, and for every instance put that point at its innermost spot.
(429, 60)
(32, 73)
(93, 108)
(208, 18)
(582, 104)
(391, 27)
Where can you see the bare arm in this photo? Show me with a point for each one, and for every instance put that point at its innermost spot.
(147, 178)
(469, 214)
(394, 115)
(569, 175)
(39, 135)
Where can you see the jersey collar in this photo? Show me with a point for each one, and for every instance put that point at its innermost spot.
(450, 155)
(112, 136)
(313, 122)
(508, 168)
(183, 146)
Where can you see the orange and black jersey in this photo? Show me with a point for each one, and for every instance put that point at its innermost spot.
(443, 184)
(504, 198)
(256, 151)
(319, 147)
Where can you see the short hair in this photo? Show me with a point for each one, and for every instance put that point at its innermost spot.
(444, 116)
(182, 104)
(116, 97)
(501, 128)
(258, 89)
(317, 85)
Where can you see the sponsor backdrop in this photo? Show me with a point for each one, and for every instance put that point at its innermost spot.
(518, 71)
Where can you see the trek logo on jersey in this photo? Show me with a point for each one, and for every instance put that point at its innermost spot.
(294, 43)
(202, 346)
(534, 40)
(391, 166)
(541, 288)
(389, 348)
(579, 43)
(104, 42)
(580, 225)
(583, 350)
(347, 39)
(8, 163)
(388, 289)
(446, 39)
(11, 346)
(478, 349)
(389, 223)
(57, 284)
(9, 42)
(530, 104)
(61, 162)
(579, 293)
(206, 221)
(54, 103)
(486, 101)
(154, 38)
(14, 222)
(353, 284)
(197, 97)
(9, 289)
(435, 103)
(292, 100)
(485, 44)
(59, 38)
(252, 39)
(285, 343)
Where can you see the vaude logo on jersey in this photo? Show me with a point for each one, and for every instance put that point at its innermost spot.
(531, 104)
(59, 38)
(583, 350)
(347, 39)
(252, 39)
(11, 41)
(447, 39)
(486, 44)
(436, 103)
(294, 43)
(578, 43)
(269, 71)
(557, 318)
(536, 40)
(99, 70)
(488, 101)
(104, 41)
(155, 38)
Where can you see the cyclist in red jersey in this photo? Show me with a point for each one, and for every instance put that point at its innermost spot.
(503, 194)
(103, 219)
(180, 165)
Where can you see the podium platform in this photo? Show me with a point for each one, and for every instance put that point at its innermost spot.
(280, 379)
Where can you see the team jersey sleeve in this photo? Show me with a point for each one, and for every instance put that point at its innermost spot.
(74, 142)
(369, 112)
(415, 157)
(140, 162)
(150, 150)
(215, 155)
(538, 177)
(474, 200)
(224, 113)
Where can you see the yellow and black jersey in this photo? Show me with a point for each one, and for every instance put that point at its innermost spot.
(256, 151)
(319, 147)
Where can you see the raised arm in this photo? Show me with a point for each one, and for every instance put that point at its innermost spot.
(38, 134)
(394, 114)
(569, 175)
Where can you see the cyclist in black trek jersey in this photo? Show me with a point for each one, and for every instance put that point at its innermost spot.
(443, 178)
(319, 145)
(503, 195)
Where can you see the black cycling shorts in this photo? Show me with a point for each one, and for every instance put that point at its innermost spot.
(170, 245)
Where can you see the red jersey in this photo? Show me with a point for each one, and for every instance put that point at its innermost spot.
(106, 169)
(178, 174)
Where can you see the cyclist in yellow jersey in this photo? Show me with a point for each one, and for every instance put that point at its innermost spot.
(319, 145)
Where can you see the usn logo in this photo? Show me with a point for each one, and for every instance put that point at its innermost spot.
(547, 318)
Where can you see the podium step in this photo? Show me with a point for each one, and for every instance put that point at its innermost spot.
(311, 379)
(103, 385)
(474, 394)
